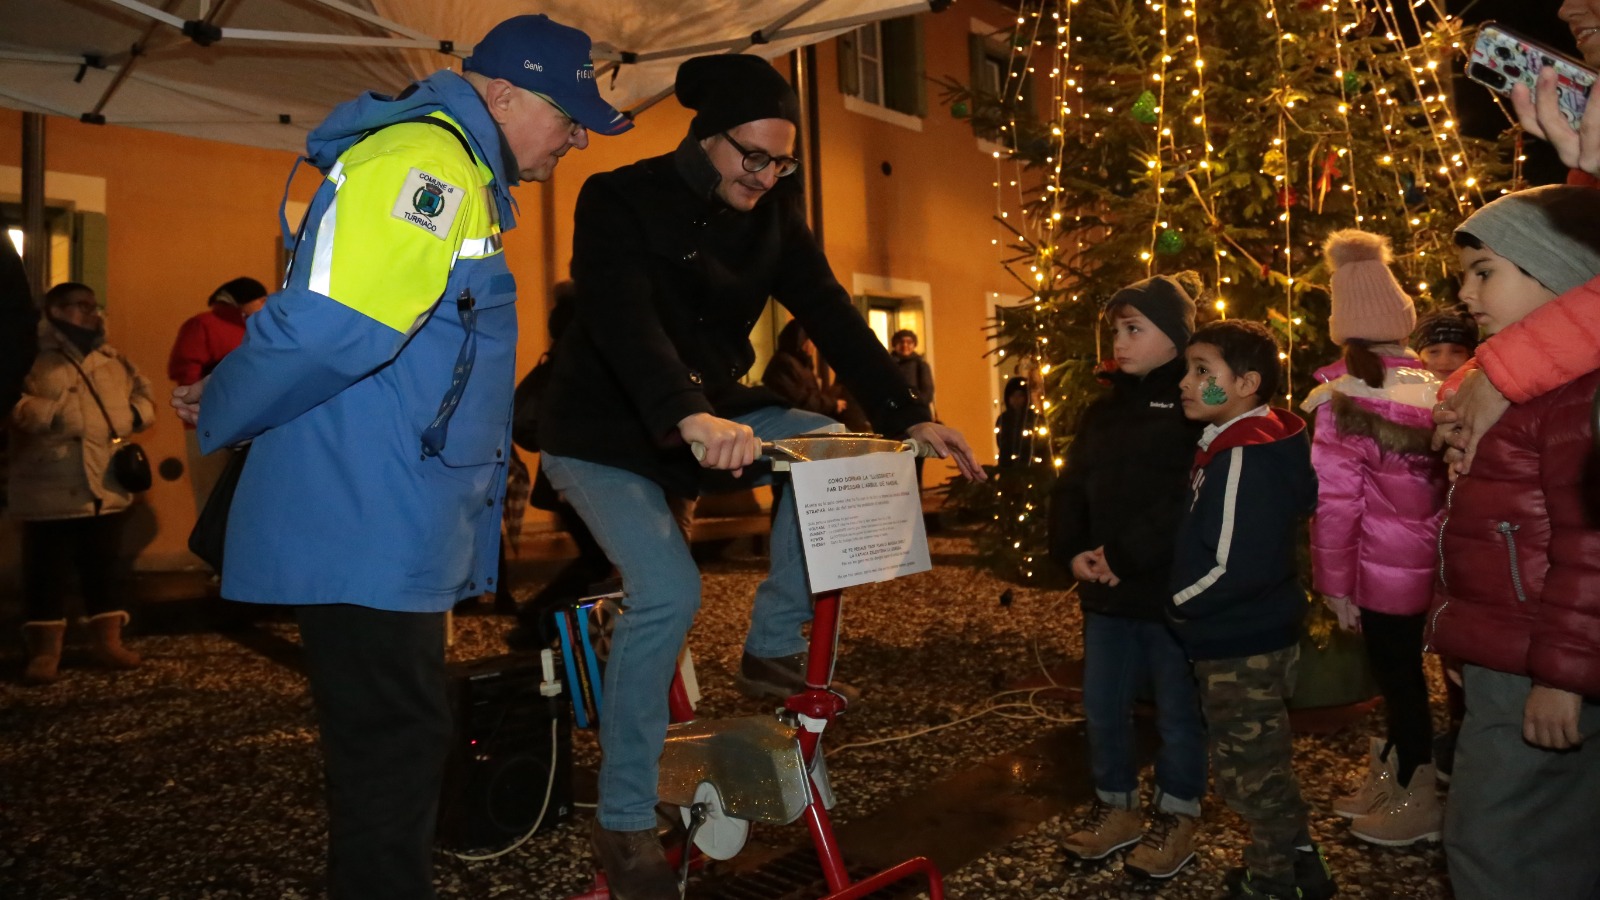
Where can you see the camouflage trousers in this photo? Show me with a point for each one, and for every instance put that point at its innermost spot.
(1247, 722)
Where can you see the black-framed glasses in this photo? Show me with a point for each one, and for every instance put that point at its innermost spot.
(758, 160)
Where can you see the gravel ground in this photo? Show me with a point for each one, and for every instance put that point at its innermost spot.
(198, 775)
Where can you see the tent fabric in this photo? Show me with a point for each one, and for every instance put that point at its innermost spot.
(281, 65)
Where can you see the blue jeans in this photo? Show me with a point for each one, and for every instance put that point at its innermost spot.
(1120, 656)
(629, 516)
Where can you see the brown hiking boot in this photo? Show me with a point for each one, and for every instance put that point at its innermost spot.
(43, 640)
(105, 641)
(1104, 831)
(1167, 846)
(782, 677)
(635, 865)
(1375, 789)
(1412, 814)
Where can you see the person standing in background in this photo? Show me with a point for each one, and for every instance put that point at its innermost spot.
(202, 342)
(61, 484)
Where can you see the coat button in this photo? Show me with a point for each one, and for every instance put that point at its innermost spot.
(489, 581)
(498, 454)
(472, 585)
(489, 502)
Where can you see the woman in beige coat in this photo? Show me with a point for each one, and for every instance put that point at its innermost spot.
(61, 484)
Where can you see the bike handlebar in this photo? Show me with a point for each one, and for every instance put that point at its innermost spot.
(830, 445)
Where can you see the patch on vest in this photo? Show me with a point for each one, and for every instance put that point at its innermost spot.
(429, 203)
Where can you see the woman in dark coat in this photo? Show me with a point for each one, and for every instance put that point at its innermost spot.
(792, 373)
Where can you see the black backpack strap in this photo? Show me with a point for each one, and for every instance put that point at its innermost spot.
(438, 122)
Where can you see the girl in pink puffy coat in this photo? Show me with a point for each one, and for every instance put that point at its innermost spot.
(1373, 539)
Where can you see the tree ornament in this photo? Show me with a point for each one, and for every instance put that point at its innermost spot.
(960, 110)
(1169, 242)
(1415, 195)
(1274, 164)
(1144, 109)
(1287, 196)
(1352, 82)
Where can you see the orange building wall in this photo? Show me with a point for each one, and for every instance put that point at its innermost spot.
(185, 215)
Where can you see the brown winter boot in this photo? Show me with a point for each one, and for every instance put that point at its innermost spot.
(1376, 788)
(1104, 831)
(1412, 814)
(44, 650)
(105, 641)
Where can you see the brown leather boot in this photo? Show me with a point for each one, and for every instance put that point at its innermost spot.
(635, 865)
(105, 641)
(44, 641)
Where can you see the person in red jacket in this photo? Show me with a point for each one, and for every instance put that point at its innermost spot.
(202, 343)
(1518, 598)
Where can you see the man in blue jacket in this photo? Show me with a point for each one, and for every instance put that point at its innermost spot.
(375, 390)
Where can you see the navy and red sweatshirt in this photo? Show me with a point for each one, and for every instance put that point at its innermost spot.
(1235, 580)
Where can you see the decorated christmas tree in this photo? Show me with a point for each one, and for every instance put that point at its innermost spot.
(1227, 138)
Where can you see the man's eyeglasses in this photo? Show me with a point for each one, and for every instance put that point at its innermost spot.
(758, 160)
(573, 125)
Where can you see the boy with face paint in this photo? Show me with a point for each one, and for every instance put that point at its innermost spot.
(1113, 516)
(1236, 599)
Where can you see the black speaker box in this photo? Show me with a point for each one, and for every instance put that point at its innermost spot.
(501, 758)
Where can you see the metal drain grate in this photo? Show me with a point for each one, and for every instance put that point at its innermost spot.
(796, 875)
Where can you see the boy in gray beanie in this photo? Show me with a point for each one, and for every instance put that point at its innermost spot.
(1518, 598)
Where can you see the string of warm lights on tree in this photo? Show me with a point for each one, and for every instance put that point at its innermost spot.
(1222, 137)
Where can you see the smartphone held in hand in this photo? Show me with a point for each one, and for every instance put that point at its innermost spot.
(1501, 59)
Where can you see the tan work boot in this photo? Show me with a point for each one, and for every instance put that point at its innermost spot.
(1105, 830)
(1167, 846)
(1412, 814)
(105, 641)
(43, 640)
(781, 677)
(635, 865)
(1374, 792)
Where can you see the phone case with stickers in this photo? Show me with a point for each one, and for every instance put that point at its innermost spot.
(1502, 59)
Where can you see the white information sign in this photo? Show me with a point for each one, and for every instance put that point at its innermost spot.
(861, 519)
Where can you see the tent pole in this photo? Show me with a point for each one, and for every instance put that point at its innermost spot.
(134, 52)
(35, 240)
(803, 74)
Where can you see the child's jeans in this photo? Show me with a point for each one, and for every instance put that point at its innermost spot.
(1252, 751)
(1522, 821)
(1121, 655)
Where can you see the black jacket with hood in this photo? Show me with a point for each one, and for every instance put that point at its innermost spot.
(1125, 487)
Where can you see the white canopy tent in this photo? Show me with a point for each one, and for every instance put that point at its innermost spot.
(263, 72)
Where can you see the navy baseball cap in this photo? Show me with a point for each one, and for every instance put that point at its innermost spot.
(551, 60)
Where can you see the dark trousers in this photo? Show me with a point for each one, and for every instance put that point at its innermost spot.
(54, 549)
(1394, 649)
(378, 679)
(1252, 750)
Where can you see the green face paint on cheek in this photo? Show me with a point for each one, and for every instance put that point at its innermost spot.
(1211, 395)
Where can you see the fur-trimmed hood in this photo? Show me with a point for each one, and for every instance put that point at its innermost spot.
(1356, 420)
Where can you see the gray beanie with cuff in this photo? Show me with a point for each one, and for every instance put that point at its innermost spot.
(1551, 232)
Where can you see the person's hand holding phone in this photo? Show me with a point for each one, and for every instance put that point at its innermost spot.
(1541, 116)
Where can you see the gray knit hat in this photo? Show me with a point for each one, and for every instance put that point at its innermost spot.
(1552, 233)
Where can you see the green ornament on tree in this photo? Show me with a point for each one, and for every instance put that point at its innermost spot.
(1144, 109)
(959, 110)
(1169, 242)
(1352, 82)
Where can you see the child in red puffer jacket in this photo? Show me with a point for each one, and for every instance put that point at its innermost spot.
(1519, 594)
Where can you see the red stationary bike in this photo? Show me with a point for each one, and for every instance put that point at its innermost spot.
(725, 774)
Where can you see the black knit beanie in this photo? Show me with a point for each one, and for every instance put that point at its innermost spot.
(1445, 328)
(1163, 301)
(238, 292)
(730, 89)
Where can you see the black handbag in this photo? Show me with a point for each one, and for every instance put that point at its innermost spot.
(129, 464)
(210, 532)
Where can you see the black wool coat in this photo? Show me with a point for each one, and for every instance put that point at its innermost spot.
(1125, 486)
(670, 283)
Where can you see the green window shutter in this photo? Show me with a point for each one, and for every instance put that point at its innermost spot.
(91, 249)
(904, 88)
(849, 67)
(977, 53)
(919, 67)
